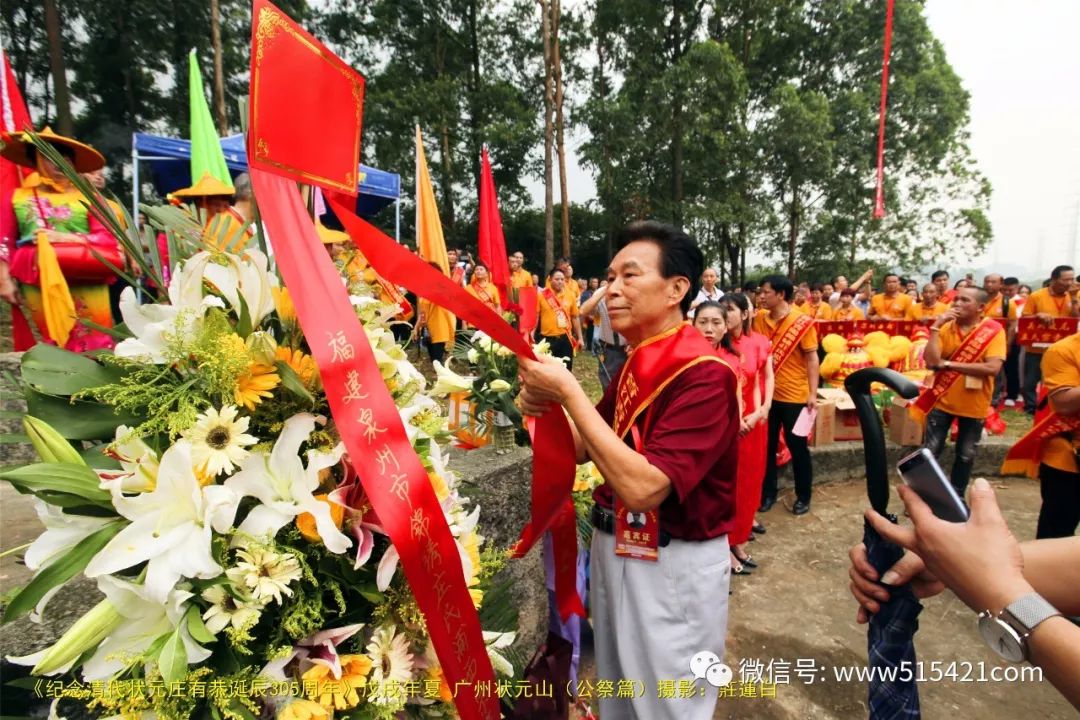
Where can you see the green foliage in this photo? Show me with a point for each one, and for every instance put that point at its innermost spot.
(158, 394)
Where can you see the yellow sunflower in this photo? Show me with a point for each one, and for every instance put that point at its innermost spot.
(302, 364)
(320, 685)
(256, 384)
(304, 710)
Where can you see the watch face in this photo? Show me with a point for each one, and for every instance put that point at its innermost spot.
(1002, 638)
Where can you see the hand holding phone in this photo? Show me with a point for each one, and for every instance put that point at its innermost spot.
(922, 474)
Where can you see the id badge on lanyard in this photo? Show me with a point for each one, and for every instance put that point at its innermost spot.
(637, 534)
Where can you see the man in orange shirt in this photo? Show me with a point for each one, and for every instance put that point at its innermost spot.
(891, 304)
(940, 278)
(559, 323)
(1000, 307)
(966, 352)
(795, 362)
(1059, 464)
(929, 308)
(1059, 299)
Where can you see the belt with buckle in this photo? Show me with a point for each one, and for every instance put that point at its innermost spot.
(603, 520)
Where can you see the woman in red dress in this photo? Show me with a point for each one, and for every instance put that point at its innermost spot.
(755, 363)
(710, 319)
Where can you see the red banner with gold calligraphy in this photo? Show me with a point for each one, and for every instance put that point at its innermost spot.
(1031, 332)
(365, 415)
(850, 328)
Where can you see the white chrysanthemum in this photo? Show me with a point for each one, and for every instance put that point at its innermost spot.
(225, 609)
(218, 440)
(392, 663)
(264, 573)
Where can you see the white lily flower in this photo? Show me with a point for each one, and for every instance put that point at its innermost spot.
(153, 325)
(285, 487)
(243, 278)
(499, 385)
(146, 619)
(170, 528)
(498, 641)
(473, 355)
(138, 461)
(447, 381)
(63, 532)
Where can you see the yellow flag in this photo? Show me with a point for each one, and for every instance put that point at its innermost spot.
(58, 305)
(429, 234)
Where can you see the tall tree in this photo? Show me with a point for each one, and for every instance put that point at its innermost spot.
(64, 121)
(549, 130)
(560, 124)
(220, 113)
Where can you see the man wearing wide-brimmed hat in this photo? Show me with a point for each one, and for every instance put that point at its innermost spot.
(50, 259)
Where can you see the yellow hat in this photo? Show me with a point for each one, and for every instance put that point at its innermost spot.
(17, 149)
(330, 237)
(208, 186)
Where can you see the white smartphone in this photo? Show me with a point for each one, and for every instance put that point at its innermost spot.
(922, 474)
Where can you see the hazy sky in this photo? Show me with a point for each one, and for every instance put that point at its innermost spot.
(1017, 60)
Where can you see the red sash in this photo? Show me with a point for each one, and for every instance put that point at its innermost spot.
(392, 291)
(458, 275)
(652, 365)
(556, 307)
(1024, 457)
(969, 351)
(784, 343)
(485, 296)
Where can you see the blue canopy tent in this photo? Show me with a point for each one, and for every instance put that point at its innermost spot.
(170, 170)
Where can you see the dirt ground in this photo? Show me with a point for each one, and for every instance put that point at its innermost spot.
(796, 606)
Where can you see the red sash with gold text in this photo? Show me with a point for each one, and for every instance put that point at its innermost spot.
(652, 365)
(969, 351)
(395, 295)
(785, 341)
(560, 314)
(1024, 457)
(484, 295)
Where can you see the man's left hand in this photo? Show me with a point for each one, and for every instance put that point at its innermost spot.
(544, 383)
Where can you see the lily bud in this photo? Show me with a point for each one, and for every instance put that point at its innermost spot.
(50, 445)
(262, 348)
(499, 385)
(86, 634)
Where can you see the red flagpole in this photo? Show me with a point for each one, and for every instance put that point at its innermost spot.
(879, 197)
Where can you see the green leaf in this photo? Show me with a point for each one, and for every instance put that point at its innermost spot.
(79, 419)
(57, 371)
(173, 661)
(196, 627)
(243, 325)
(291, 382)
(60, 571)
(72, 504)
(59, 477)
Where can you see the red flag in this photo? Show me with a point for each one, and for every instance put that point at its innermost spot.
(13, 116)
(879, 194)
(491, 241)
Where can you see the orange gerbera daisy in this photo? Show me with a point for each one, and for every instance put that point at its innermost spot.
(302, 364)
(256, 384)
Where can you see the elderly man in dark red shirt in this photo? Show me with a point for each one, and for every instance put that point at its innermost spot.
(664, 437)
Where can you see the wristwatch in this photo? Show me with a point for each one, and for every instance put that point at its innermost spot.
(1007, 632)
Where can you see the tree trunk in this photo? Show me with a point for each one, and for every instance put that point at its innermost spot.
(564, 197)
(220, 112)
(793, 229)
(676, 122)
(447, 214)
(64, 122)
(476, 121)
(549, 102)
(742, 253)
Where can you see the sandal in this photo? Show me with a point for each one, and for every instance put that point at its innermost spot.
(748, 561)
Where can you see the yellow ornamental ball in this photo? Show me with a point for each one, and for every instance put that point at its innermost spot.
(878, 355)
(899, 347)
(831, 364)
(875, 339)
(834, 343)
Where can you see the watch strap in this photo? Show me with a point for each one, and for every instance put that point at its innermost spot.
(1030, 610)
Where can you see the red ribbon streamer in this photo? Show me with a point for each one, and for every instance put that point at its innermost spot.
(554, 465)
(879, 194)
(392, 475)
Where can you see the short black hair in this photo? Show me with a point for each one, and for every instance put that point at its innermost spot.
(1056, 272)
(780, 284)
(749, 286)
(817, 286)
(557, 268)
(1011, 281)
(939, 273)
(889, 275)
(679, 254)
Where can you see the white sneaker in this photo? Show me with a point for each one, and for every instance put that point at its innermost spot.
(1010, 403)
